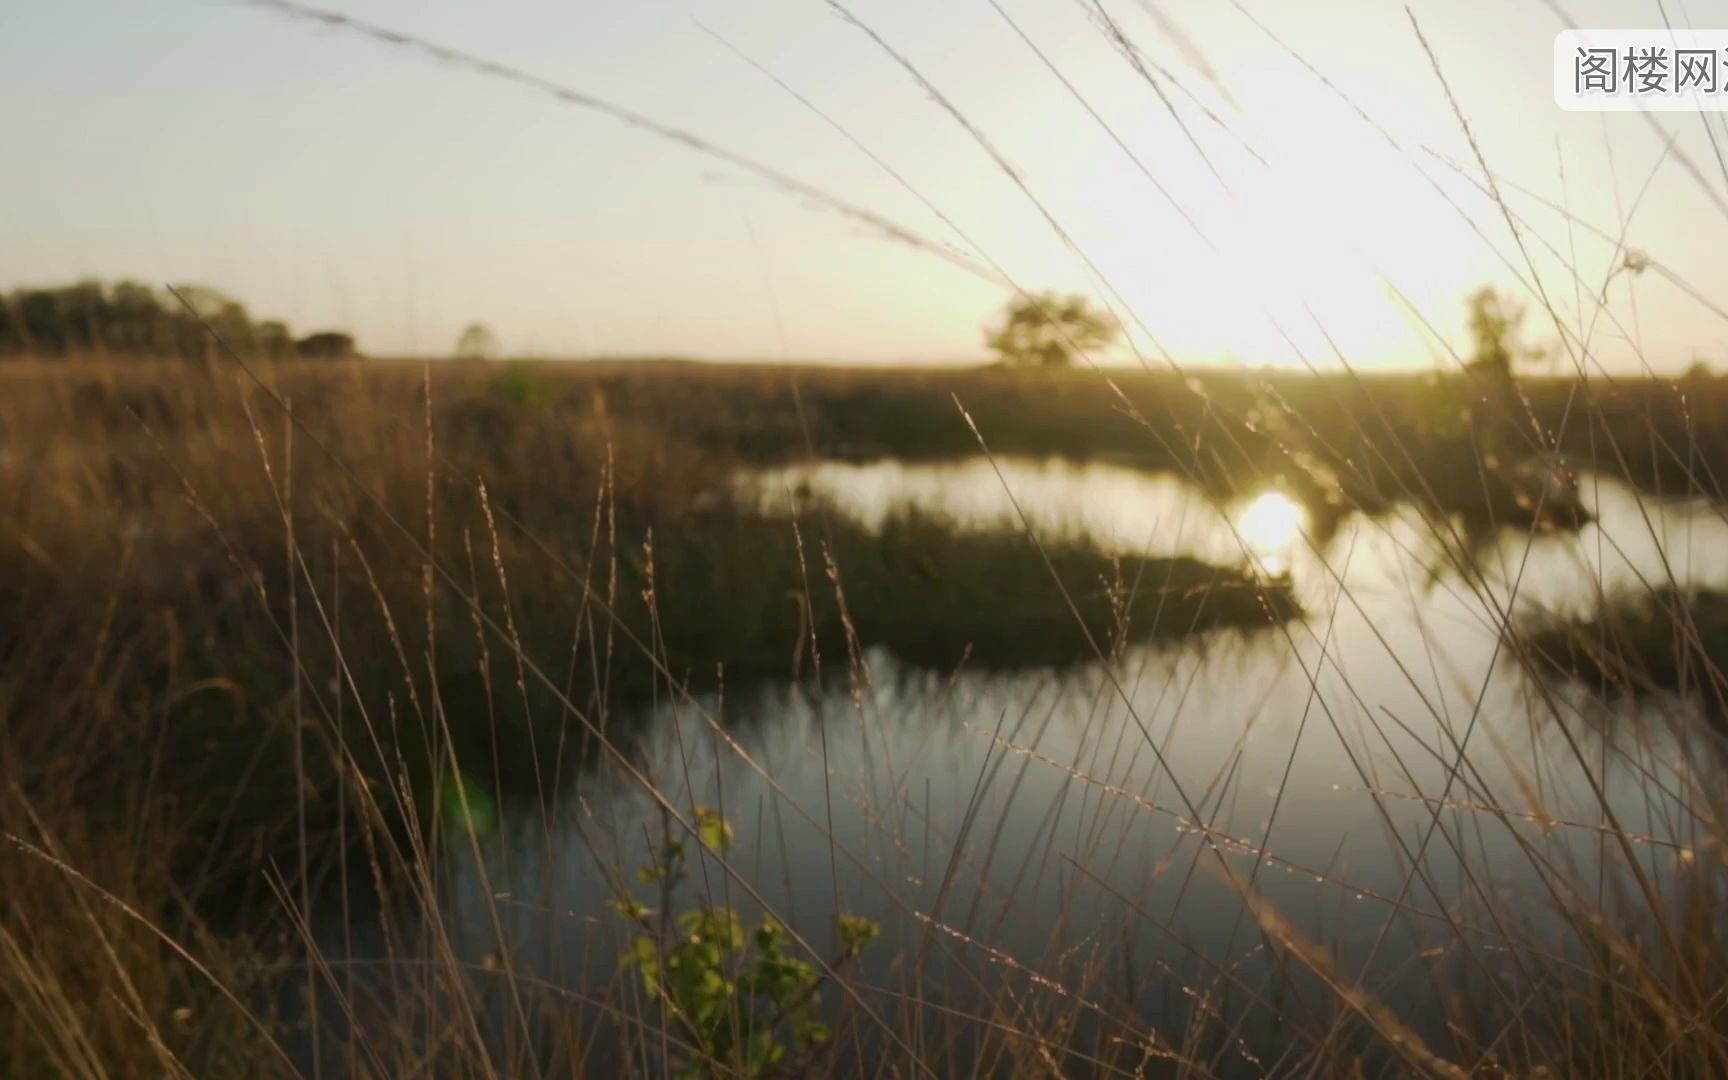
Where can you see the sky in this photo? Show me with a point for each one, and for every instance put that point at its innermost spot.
(1268, 183)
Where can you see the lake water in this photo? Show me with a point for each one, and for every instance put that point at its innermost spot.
(1076, 824)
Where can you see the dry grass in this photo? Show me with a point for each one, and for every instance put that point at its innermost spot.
(258, 662)
(260, 669)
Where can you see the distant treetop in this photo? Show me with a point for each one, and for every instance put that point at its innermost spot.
(478, 342)
(1494, 321)
(90, 318)
(1050, 330)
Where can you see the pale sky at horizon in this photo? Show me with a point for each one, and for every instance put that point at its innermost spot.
(327, 179)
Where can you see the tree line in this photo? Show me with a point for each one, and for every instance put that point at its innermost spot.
(90, 318)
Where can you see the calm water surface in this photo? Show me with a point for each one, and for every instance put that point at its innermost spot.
(1047, 820)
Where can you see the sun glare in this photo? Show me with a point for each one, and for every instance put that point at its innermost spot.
(1270, 526)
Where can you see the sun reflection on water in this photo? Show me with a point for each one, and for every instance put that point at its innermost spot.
(1270, 526)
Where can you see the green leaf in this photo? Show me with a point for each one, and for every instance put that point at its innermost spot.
(714, 829)
(768, 935)
(857, 932)
(812, 1032)
(644, 956)
(630, 908)
(468, 805)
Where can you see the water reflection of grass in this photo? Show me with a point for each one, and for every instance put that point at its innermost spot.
(1341, 443)
(1662, 642)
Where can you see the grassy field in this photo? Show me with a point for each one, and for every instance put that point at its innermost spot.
(247, 657)
(229, 620)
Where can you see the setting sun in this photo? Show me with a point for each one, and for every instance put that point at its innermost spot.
(1270, 527)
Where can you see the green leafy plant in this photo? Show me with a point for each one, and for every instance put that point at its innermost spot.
(745, 1002)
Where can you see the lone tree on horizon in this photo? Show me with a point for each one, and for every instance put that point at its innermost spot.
(1493, 322)
(1049, 329)
(327, 345)
(1500, 416)
(477, 342)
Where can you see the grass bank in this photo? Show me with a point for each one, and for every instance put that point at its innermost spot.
(249, 663)
(1664, 643)
(254, 667)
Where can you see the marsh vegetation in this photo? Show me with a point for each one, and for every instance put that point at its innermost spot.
(340, 703)
(1071, 714)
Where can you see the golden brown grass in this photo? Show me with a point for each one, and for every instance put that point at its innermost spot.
(246, 645)
(251, 662)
